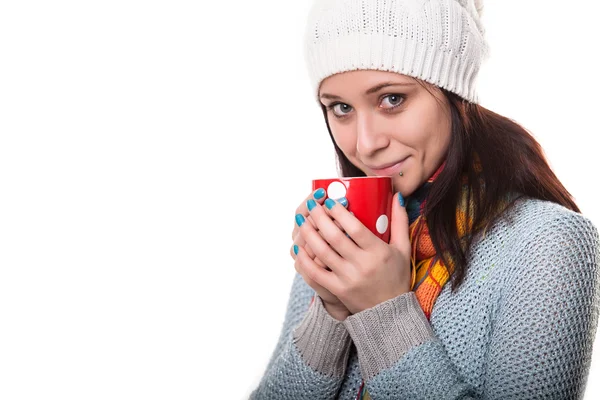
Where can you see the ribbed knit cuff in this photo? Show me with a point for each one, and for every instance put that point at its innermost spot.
(384, 333)
(323, 341)
(401, 55)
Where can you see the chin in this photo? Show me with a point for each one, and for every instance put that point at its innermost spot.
(400, 184)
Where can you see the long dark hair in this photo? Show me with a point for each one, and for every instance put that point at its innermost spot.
(512, 161)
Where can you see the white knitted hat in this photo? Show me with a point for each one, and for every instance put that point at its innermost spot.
(439, 41)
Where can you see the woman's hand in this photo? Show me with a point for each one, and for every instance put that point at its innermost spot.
(318, 196)
(365, 271)
(302, 254)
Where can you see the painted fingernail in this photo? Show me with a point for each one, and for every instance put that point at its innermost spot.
(310, 203)
(401, 200)
(296, 249)
(319, 193)
(299, 219)
(329, 203)
(343, 201)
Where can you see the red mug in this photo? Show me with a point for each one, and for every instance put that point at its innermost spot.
(369, 199)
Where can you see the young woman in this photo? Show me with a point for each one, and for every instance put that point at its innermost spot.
(489, 286)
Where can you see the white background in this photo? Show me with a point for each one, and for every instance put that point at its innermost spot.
(152, 154)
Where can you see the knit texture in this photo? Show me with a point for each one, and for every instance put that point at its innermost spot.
(429, 273)
(521, 326)
(439, 41)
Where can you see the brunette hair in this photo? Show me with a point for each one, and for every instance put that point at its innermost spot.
(512, 162)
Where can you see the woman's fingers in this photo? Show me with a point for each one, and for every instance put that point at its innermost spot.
(320, 246)
(332, 238)
(309, 218)
(360, 235)
(318, 196)
(315, 276)
(299, 241)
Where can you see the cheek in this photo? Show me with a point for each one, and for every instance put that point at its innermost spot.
(442, 130)
(428, 129)
(345, 140)
(414, 130)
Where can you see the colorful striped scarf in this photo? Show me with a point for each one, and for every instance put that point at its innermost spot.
(428, 273)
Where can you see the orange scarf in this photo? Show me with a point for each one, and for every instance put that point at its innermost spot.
(428, 273)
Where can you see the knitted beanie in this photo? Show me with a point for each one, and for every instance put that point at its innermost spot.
(439, 41)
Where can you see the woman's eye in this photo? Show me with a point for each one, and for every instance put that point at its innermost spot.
(395, 100)
(344, 107)
(340, 110)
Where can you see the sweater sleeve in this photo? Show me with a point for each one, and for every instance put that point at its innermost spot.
(542, 338)
(310, 358)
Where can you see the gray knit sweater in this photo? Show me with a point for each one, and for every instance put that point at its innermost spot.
(521, 326)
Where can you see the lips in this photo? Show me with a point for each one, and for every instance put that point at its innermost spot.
(388, 169)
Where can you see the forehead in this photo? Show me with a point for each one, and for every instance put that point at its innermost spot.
(361, 81)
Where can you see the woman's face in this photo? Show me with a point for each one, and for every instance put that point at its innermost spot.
(377, 129)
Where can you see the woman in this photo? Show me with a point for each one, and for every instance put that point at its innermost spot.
(504, 300)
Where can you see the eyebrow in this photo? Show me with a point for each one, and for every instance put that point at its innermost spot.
(370, 91)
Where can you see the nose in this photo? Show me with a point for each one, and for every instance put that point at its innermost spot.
(370, 135)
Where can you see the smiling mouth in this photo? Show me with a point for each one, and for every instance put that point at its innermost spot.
(389, 171)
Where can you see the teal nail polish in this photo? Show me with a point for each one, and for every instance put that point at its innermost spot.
(310, 203)
(343, 201)
(329, 203)
(319, 194)
(299, 219)
(401, 200)
(296, 249)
